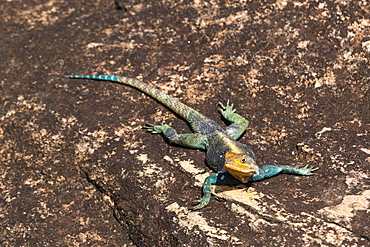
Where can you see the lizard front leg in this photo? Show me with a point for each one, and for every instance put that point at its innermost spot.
(267, 171)
(207, 185)
(192, 140)
(221, 178)
(239, 124)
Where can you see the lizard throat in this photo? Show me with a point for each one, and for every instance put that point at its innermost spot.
(240, 173)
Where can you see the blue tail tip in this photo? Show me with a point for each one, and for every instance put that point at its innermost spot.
(94, 77)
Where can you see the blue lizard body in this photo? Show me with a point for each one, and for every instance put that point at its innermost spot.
(234, 162)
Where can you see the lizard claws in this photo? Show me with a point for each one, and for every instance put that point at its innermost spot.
(200, 204)
(156, 129)
(226, 110)
(308, 170)
(151, 128)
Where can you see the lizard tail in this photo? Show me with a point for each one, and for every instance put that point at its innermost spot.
(173, 104)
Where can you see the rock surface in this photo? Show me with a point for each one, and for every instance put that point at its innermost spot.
(77, 169)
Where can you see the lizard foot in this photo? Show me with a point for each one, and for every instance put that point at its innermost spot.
(227, 110)
(307, 170)
(157, 129)
(201, 203)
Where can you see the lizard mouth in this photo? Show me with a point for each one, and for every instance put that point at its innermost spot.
(240, 172)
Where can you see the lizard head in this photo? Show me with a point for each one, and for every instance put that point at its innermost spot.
(241, 166)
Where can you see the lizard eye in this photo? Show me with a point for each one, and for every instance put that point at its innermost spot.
(243, 160)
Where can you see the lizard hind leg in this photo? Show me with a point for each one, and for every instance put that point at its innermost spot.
(192, 140)
(239, 123)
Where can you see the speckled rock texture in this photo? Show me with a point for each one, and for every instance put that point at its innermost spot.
(77, 169)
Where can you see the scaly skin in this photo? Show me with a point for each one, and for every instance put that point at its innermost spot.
(233, 161)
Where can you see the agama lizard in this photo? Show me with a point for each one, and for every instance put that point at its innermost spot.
(234, 161)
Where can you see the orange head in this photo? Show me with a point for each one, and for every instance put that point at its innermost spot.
(241, 166)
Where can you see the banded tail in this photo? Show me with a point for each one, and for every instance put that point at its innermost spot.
(173, 104)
